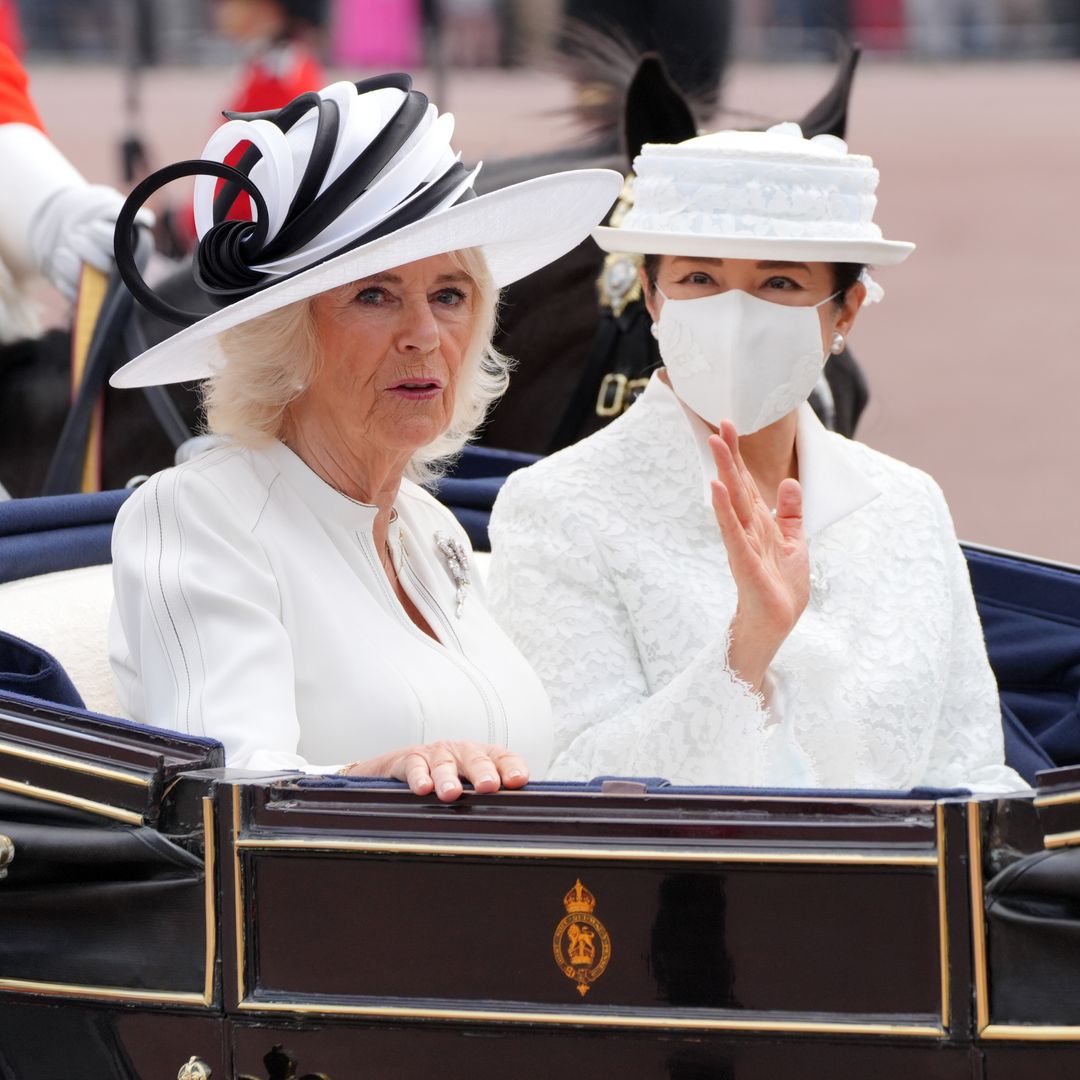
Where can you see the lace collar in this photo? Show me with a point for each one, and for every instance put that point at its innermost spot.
(833, 485)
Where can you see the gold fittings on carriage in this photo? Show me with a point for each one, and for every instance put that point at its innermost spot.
(194, 1070)
(7, 853)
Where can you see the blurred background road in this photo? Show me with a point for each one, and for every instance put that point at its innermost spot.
(971, 111)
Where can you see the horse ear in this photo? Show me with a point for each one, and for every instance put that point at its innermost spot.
(829, 115)
(655, 108)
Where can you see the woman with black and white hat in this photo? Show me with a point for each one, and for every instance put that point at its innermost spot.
(295, 593)
(714, 588)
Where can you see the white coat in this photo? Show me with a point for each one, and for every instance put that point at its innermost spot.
(251, 606)
(609, 572)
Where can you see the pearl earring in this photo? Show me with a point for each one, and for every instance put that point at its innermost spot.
(655, 330)
(837, 345)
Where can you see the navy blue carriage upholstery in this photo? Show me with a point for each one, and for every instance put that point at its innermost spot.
(1030, 610)
(471, 488)
(1030, 613)
(32, 672)
(59, 532)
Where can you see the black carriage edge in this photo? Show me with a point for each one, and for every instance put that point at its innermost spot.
(169, 911)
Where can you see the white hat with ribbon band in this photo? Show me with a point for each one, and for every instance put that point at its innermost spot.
(755, 195)
(343, 183)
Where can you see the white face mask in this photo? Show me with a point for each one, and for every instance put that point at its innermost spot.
(735, 357)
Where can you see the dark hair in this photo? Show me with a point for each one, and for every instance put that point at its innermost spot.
(844, 275)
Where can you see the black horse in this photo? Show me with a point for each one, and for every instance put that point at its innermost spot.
(578, 364)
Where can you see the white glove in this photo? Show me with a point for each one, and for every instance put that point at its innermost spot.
(75, 226)
(51, 219)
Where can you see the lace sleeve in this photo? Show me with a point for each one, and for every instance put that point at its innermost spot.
(549, 586)
(968, 747)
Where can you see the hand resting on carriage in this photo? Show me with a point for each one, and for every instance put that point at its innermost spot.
(438, 767)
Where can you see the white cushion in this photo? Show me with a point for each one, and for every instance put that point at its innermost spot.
(67, 614)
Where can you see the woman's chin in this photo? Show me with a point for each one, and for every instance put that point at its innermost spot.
(411, 434)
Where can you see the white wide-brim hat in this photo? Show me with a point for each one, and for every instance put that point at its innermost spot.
(415, 201)
(755, 195)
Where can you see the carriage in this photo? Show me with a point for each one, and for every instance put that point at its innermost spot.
(168, 916)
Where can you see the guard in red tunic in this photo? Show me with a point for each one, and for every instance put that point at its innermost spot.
(278, 36)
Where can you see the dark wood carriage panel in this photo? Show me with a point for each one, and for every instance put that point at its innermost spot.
(786, 933)
(1026, 931)
(737, 925)
(385, 1051)
(1031, 1061)
(1058, 803)
(109, 768)
(105, 790)
(478, 933)
(140, 748)
(287, 808)
(108, 912)
(68, 1041)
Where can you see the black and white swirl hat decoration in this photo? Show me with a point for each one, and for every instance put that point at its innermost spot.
(343, 184)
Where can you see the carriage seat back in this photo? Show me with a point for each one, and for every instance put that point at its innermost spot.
(56, 585)
(66, 614)
(58, 532)
(1030, 613)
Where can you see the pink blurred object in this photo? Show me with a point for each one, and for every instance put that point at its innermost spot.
(880, 24)
(10, 34)
(377, 33)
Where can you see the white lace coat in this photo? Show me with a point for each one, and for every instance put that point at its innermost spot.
(609, 572)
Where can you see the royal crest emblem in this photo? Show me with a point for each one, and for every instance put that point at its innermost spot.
(581, 944)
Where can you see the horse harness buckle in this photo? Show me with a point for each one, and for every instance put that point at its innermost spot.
(617, 393)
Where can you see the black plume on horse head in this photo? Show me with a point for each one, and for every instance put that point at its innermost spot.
(829, 115)
(655, 110)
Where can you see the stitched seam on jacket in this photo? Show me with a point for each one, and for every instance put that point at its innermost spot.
(265, 504)
(186, 691)
(179, 518)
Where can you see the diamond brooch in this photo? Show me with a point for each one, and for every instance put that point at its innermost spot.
(457, 562)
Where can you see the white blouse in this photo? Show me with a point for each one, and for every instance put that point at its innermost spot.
(609, 571)
(251, 606)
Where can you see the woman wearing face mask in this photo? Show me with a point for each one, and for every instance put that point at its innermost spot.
(714, 588)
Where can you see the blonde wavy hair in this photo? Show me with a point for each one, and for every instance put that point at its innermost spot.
(274, 357)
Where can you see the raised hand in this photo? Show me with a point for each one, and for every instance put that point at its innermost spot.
(767, 555)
